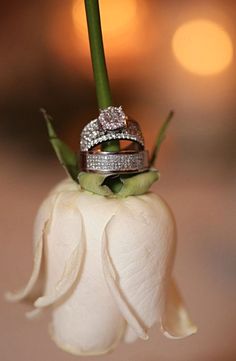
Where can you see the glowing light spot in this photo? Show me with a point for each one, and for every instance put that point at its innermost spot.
(202, 47)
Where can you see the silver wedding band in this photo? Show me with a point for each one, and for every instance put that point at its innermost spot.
(110, 162)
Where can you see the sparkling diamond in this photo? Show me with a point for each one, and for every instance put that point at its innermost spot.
(112, 118)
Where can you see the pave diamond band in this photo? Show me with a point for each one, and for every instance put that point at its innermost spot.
(94, 134)
(110, 162)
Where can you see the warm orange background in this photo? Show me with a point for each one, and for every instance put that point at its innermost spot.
(44, 63)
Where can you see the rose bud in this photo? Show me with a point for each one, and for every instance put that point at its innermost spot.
(103, 261)
(107, 266)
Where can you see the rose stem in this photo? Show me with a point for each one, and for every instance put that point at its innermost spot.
(100, 74)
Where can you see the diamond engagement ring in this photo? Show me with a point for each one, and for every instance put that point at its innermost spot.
(112, 124)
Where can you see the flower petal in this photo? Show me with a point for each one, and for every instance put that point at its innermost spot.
(64, 249)
(40, 233)
(130, 335)
(25, 292)
(113, 284)
(175, 322)
(141, 248)
(66, 185)
(68, 347)
(68, 278)
(33, 314)
(87, 321)
(20, 295)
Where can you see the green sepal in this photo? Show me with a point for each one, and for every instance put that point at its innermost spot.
(160, 138)
(93, 182)
(66, 156)
(129, 185)
(138, 184)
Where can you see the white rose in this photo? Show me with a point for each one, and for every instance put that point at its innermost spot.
(107, 266)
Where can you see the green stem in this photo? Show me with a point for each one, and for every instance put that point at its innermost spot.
(103, 90)
(97, 54)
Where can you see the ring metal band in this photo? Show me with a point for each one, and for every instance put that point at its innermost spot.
(110, 162)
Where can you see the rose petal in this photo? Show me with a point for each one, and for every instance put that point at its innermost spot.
(113, 284)
(175, 322)
(141, 247)
(87, 320)
(66, 185)
(130, 335)
(64, 249)
(20, 295)
(68, 347)
(42, 222)
(33, 314)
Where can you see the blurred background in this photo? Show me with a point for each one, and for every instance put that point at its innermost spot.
(161, 55)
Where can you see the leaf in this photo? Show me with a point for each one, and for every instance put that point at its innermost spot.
(93, 182)
(160, 138)
(138, 184)
(66, 156)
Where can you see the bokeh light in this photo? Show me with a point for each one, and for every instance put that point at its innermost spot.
(202, 47)
(120, 25)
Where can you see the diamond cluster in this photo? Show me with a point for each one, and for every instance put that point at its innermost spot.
(112, 118)
(117, 162)
(93, 134)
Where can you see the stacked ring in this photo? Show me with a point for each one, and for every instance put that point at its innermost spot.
(112, 124)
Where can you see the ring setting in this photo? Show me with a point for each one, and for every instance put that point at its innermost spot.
(112, 118)
(112, 124)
